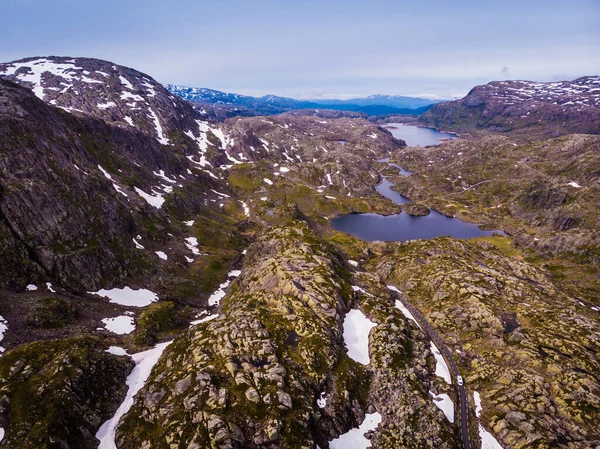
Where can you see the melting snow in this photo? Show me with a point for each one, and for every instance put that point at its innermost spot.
(354, 263)
(406, 312)
(155, 200)
(441, 368)
(354, 438)
(3, 329)
(204, 319)
(31, 287)
(189, 223)
(125, 82)
(119, 325)
(445, 404)
(161, 174)
(144, 362)
(487, 439)
(161, 254)
(116, 350)
(322, 401)
(128, 297)
(219, 294)
(268, 181)
(49, 287)
(39, 67)
(108, 104)
(356, 335)
(137, 245)
(192, 245)
(574, 184)
(159, 130)
(105, 173)
(284, 169)
(246, 209)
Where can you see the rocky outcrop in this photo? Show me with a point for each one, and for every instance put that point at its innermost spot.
(56, 394)
(252, 376)
(527, 108)
(528, 348)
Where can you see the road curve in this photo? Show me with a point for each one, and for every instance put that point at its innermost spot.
(462, 392)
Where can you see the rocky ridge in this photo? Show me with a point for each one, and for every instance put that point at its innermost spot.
(529, 348)
(252, 377)
(529, 109)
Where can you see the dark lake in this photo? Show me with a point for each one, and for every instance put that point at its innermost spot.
(402, 227)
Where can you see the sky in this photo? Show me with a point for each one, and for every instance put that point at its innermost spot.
(317, 49)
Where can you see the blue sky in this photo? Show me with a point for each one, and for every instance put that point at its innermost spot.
(317, 49)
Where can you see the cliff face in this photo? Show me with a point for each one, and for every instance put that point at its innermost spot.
(531, 109)
(70, 205)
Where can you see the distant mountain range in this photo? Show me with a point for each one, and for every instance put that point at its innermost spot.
(217, 104)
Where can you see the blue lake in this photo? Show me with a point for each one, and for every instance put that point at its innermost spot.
(402, 227)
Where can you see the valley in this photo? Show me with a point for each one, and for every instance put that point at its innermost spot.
(297, 279)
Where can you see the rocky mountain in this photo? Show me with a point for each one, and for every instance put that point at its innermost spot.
(215, 104)
(167, 281)
(115, 94)
(532, 109)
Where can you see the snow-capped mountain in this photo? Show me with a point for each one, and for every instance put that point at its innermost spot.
(554, 108)
(110, 92)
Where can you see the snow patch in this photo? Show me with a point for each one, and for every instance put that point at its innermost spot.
(161, 255)
(128, 297)
(3, 329)
(192, 245)
(441, 368)
(121, 325)
(116, 350)
(144, 362)
(155, 200)
(31, 287)
(159, 130)
(355, 438)
(354, 263)
(445, 404)
(356, 335)
(246, 209)
(219, 294)
(322, 401)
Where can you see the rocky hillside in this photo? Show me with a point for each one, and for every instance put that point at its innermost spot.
(528, 349)
(117, 95)
(271, 370)
(173, 282)
(531, 109)
(543, 193)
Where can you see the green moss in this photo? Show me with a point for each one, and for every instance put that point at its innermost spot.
(51, 313)
(158, 318)
(52, 389)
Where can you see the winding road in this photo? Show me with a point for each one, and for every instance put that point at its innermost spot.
(462, 392)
